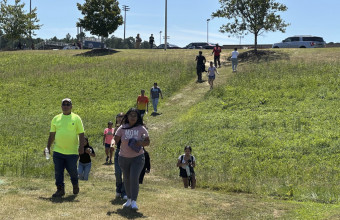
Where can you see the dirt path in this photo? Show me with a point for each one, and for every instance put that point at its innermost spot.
(185, 98)
(174, 107)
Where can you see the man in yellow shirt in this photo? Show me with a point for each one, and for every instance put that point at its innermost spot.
(64, 132)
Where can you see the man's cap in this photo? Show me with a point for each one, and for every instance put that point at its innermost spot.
(66, 100)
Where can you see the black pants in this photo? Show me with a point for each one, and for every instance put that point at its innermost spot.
(217, 59)
(199, 73)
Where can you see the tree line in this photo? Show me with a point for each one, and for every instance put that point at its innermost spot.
(102, 17)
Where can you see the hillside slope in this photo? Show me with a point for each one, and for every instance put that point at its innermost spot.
(160, 197)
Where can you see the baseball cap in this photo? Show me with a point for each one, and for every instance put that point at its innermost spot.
(66, 100)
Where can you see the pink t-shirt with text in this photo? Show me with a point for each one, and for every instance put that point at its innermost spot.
(109, 135)
(127, 134)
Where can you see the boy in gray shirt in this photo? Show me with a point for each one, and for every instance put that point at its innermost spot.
(154, 93)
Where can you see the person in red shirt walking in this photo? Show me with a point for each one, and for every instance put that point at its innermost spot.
(143, 103)
(217, 52)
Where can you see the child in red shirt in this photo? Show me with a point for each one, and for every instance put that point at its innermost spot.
(143, 103)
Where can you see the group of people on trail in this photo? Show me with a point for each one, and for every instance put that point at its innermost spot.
(129, 136)
(142, 102)
(212, 70)
(139, 41)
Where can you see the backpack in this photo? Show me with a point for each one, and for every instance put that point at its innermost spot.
(191, 158)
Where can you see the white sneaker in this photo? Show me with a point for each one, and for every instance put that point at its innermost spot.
(127, 204)
(134, 205)
(118, 195)
(125, 197)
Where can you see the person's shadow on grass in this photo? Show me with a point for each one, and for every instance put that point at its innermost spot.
(70, 198)
(127, 213)
(118, 201)
(154, 114)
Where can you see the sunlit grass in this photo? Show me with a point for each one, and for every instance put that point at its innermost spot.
(273, 129)
(32, 84)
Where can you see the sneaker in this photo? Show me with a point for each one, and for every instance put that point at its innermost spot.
(127, 204)
(125, 197)
(110, 162)
(134, 205)
(75, 189)
(60, 192)
(117, 195)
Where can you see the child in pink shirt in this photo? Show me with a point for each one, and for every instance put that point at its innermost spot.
(107, 141)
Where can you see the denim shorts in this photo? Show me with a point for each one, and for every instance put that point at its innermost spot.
(107, 145)
(212, 77)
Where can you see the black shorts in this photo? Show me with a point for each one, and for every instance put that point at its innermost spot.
(142, 112)
(183, 172)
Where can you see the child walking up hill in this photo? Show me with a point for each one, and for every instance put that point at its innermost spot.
(186, 163)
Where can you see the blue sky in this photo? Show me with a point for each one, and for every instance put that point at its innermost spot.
(187, 20)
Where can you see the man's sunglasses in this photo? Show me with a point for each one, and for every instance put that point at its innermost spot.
(66, 104)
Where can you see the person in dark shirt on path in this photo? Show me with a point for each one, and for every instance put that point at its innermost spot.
(151, 40)
(200, 67)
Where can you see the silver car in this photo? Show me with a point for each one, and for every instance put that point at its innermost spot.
(301, 41)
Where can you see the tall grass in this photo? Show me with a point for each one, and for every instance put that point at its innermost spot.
(32, 85)
(273, 129)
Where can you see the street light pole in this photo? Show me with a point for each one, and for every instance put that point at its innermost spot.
(166, 24)
(208, 30)
(125, 9)
(240, 39)
(160, 37)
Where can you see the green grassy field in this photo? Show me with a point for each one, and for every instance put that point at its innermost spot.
(32, 85)
(273, 129)
(266, 139)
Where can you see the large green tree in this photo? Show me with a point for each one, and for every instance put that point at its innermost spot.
(15, 22)
(254, 16)
(101, 17)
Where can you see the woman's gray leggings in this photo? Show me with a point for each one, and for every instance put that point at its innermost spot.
(131, 167)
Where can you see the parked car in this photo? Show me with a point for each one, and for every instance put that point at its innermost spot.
(91, 44)
(209, 46)
(169, 46)
(69, 47)
(200, 45)
(301, 41)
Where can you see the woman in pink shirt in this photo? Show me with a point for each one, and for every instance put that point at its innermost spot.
(133, 136)
(107, 141)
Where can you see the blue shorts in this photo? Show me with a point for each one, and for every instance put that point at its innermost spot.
(212, 77)
(107, 145)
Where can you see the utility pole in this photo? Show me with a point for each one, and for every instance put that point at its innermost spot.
(31, 22)
(166, 24)
(125, 9)
(208, 30)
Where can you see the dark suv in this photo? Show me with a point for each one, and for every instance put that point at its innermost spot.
(200, 45)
